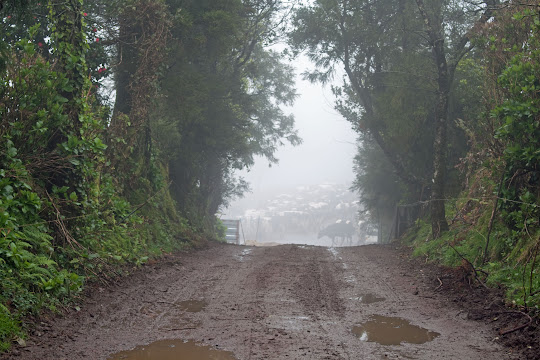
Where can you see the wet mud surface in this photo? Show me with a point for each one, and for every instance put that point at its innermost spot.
(283, 302)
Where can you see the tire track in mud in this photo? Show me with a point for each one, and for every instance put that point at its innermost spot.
(318, 291)
(318, 287)
(284, 302)
(294, 290)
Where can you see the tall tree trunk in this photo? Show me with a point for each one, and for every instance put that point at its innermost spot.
(445, 78)
(127, 61)
(212, 185)
(438, 214)
(435, 33)
(144, 32)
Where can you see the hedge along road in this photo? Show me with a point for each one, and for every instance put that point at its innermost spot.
(282, 302)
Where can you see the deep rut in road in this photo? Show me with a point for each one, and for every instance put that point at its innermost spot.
(283, 302)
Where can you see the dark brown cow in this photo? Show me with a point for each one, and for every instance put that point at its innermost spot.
(343, 230)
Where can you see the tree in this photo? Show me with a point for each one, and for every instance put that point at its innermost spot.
(447, 54)
(363, 38)
(384, 57)
(386, 92)
(222, 93)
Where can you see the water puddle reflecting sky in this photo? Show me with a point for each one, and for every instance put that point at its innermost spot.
(392, 331)
(173, 350)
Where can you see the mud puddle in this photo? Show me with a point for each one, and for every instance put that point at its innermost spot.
(392, 331)
(173, 350)
(193, 306)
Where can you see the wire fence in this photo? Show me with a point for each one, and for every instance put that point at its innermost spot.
(482, 198)
(406, 214)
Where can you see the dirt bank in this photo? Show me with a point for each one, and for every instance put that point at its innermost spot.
(283, 302)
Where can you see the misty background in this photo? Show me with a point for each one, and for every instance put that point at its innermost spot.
(308, 189)
(328, 147)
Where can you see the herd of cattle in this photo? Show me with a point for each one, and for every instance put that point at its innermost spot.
(306, 215)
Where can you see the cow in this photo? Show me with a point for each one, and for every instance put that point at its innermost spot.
(342, 230)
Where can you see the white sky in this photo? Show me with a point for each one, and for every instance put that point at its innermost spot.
(327, 151)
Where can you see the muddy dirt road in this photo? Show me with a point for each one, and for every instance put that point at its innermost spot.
(284, 302)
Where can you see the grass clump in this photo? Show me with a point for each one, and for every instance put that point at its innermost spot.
(511, 260)
(9, 328)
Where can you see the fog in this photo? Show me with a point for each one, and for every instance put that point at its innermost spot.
(327, 150)
(308, 189)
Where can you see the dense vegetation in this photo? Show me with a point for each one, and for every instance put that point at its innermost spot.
(122, 124)
(444, 96)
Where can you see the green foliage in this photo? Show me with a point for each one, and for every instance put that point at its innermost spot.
(9, 328)
(519, 116)
(521, 283)
(494, 101)
(520, 131)
(63, 219)
(29, 276)
(378, 187)
(221, 231)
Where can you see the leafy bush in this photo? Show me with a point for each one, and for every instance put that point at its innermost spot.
(63, 216)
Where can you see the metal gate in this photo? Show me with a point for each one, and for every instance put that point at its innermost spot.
(232, 234)
(405, 217)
